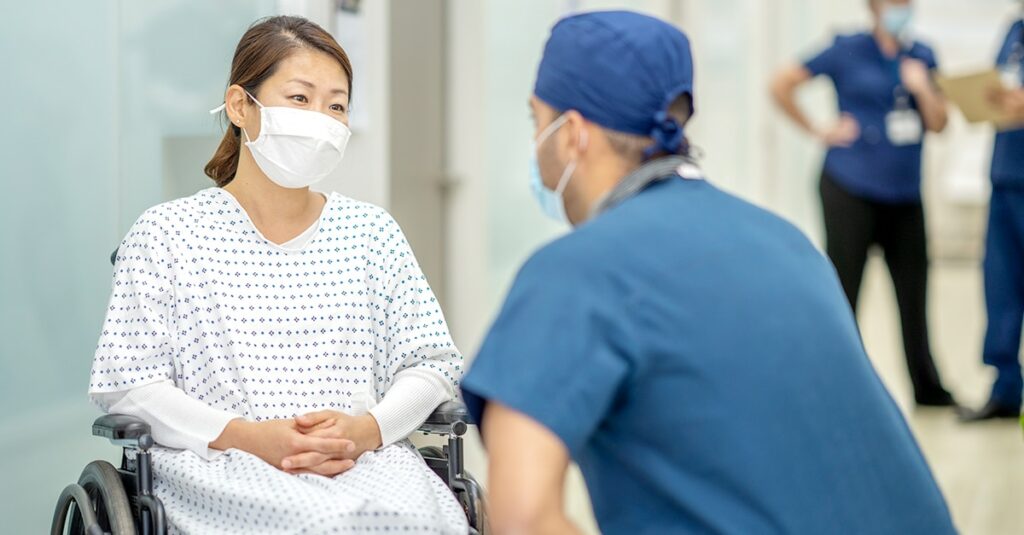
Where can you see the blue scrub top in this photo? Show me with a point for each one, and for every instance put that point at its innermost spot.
(698, 358)
(1008, 156)
(865, 80)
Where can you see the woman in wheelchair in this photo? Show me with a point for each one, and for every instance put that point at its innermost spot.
(281, 343)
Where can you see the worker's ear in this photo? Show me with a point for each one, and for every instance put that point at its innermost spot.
(575, 138)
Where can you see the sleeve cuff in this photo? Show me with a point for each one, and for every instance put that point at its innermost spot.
(176, 420)
(407, 404)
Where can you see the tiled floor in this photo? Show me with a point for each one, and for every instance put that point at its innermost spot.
(979, 467)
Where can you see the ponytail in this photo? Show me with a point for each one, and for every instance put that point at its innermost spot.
(222, 166)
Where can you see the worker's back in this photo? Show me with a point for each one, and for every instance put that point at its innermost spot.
(748, 404)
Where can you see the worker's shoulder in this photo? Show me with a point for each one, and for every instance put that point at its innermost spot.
(684, 205)
(694, 214)
(852, 39)
(922, 51)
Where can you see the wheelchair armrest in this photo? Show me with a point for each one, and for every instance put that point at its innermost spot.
(449, 418)
(123, 430)
(449, 412)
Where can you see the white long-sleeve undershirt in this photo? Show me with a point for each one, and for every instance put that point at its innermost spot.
(179, 421)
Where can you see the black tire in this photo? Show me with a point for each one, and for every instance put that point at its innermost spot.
(432, 451)
(436, 460)
(68, 508)
(113, 511)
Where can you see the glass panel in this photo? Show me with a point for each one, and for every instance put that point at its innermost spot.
(515, 37)
(105, 115)
(170, 77)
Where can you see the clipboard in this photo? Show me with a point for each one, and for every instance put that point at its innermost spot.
(971, 94)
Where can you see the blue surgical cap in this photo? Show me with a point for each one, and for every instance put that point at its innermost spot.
(620, 70)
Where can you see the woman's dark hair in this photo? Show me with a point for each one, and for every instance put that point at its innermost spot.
(264, 46)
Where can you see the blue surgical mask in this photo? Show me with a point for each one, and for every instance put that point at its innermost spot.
(552, 202)
(895, 19)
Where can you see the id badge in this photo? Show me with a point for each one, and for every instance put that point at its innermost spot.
(903, 127)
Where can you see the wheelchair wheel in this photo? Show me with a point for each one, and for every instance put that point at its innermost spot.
(432, 451)
(436, 460)
(107, 499)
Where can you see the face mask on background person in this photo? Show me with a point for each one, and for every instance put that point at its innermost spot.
(896, 19)
(296, 148)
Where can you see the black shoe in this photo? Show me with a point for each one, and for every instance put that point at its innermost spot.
(992, 410)
(939, 398)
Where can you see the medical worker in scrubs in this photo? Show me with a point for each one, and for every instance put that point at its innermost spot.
(871, 180)
(1004, 248)
(693, 353)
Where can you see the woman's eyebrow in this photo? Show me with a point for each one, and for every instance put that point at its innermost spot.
(312, 86)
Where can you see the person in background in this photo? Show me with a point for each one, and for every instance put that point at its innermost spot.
(1004, 243)
(871, 180)
(693, 353)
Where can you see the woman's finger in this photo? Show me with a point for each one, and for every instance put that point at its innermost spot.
(299, 461)
(325, 445)
(313, 418)
(326, 424)
(327, 432)
(334, 467)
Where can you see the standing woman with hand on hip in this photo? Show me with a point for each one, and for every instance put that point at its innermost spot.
(871, 181)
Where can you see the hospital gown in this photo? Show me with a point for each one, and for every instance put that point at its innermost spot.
(201, 298)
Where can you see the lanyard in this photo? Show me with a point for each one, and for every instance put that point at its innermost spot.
(900, 93)
(645, 175)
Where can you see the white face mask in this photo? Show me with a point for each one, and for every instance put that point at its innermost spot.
(296, 148)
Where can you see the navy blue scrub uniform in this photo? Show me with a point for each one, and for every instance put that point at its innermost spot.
(1004, 256)
(871, 192)
(698, 359)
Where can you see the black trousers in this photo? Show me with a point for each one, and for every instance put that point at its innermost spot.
(852, 226)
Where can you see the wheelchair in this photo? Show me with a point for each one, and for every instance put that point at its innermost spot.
(120, 501)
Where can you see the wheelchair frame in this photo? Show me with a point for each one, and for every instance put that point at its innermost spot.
(106, 498)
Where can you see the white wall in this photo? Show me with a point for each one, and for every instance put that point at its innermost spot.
(364, 173)
(106, 113)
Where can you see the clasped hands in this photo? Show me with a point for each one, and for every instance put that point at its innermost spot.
(324, 442)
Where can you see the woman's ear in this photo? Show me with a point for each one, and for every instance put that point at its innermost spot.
(236, 105)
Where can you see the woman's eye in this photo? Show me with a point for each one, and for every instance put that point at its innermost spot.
(299, 98)
(338, 108)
